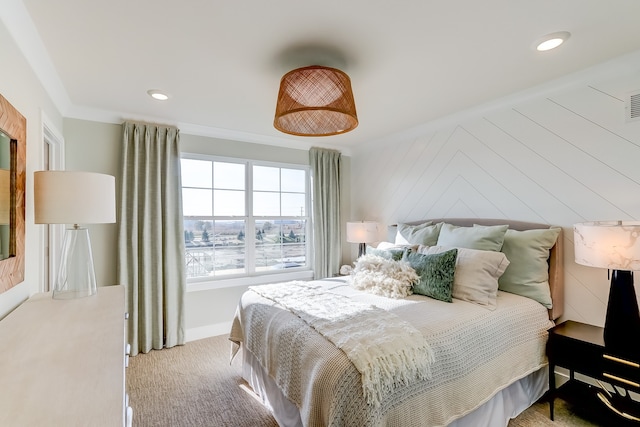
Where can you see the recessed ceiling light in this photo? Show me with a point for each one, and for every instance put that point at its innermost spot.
(551, 41)
(157, 94)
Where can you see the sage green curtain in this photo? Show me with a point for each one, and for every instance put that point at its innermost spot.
(151, 236)
(325, 173)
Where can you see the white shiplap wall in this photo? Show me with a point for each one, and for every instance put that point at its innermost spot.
(565, 157)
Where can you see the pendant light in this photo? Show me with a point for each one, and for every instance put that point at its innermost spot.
(315, 101)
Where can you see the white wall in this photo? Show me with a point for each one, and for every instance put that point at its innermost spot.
(559, 159)
(95, 147)
(19, 85)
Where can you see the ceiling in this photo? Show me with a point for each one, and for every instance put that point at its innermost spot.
(410, 61)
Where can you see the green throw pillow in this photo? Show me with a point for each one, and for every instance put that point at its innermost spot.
(421, 234)
(394, 254)
(436, 273)
(480, 237)
(528, 271)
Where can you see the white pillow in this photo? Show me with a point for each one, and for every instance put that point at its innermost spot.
(388, 245)
(477, 273)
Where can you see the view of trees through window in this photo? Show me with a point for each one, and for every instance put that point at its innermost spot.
(223, 200)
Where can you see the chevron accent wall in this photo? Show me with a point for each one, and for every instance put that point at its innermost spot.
(559, 159)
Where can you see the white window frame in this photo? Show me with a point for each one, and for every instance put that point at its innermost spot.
(51, 235)
(255, 277)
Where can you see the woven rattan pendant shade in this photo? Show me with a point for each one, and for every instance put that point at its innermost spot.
(315, 101)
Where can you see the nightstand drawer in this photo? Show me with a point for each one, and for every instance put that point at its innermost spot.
(576, 355)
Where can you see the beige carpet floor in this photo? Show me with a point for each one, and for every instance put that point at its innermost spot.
(194, 385)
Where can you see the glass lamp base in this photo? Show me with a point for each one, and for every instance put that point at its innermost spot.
(76, 277)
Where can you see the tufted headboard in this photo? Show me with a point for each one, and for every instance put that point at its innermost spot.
(556, 272)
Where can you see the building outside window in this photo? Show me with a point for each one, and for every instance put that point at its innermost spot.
(244, 218)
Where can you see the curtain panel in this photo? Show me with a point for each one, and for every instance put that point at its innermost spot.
(325, 173)
(151, 249)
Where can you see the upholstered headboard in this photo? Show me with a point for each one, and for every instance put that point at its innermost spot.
(556, 273)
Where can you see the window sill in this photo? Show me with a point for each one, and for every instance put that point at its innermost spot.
(249, 281)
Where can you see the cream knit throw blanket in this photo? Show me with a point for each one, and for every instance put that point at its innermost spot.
(386, 350)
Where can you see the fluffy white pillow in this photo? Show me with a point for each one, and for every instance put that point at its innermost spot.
(381, 276)
(477, 273)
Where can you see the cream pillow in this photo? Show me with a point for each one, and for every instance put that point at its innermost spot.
(476, 275)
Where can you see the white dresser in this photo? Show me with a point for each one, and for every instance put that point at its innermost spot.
(62, 362)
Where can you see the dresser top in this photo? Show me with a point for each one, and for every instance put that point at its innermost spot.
(62, 361)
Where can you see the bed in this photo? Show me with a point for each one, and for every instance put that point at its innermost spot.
(486, 363)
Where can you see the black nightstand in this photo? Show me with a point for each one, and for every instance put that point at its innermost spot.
(580, 348)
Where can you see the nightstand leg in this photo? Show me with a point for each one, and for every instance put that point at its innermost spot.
(552, 389)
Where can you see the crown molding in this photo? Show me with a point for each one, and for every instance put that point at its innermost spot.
(15, 17)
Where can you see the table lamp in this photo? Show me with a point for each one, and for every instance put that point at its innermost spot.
(66, 197)
(614, 245)
(362, 232)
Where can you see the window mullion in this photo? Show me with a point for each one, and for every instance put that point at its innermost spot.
(250, 237)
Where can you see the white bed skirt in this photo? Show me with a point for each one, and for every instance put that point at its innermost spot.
(505, 405)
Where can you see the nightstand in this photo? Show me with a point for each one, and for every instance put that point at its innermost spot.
(580, 348)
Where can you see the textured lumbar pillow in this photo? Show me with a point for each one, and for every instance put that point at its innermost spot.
(436, 273)
(381, 276)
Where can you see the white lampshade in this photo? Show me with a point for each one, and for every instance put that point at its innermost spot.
(608, 244)
(69, 197)
(362, 232)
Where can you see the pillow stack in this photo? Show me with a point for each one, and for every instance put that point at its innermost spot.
(399, 271)
(488, 259)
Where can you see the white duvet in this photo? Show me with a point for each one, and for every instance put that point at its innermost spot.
(386, 350)
(477, 353)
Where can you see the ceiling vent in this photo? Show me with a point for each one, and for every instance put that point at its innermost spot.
(632, 107)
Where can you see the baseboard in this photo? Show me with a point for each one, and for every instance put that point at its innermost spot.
(207, 331)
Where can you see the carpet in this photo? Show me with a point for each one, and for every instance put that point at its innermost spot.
(195, 385)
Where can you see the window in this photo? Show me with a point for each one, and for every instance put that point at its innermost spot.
(244, 218)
